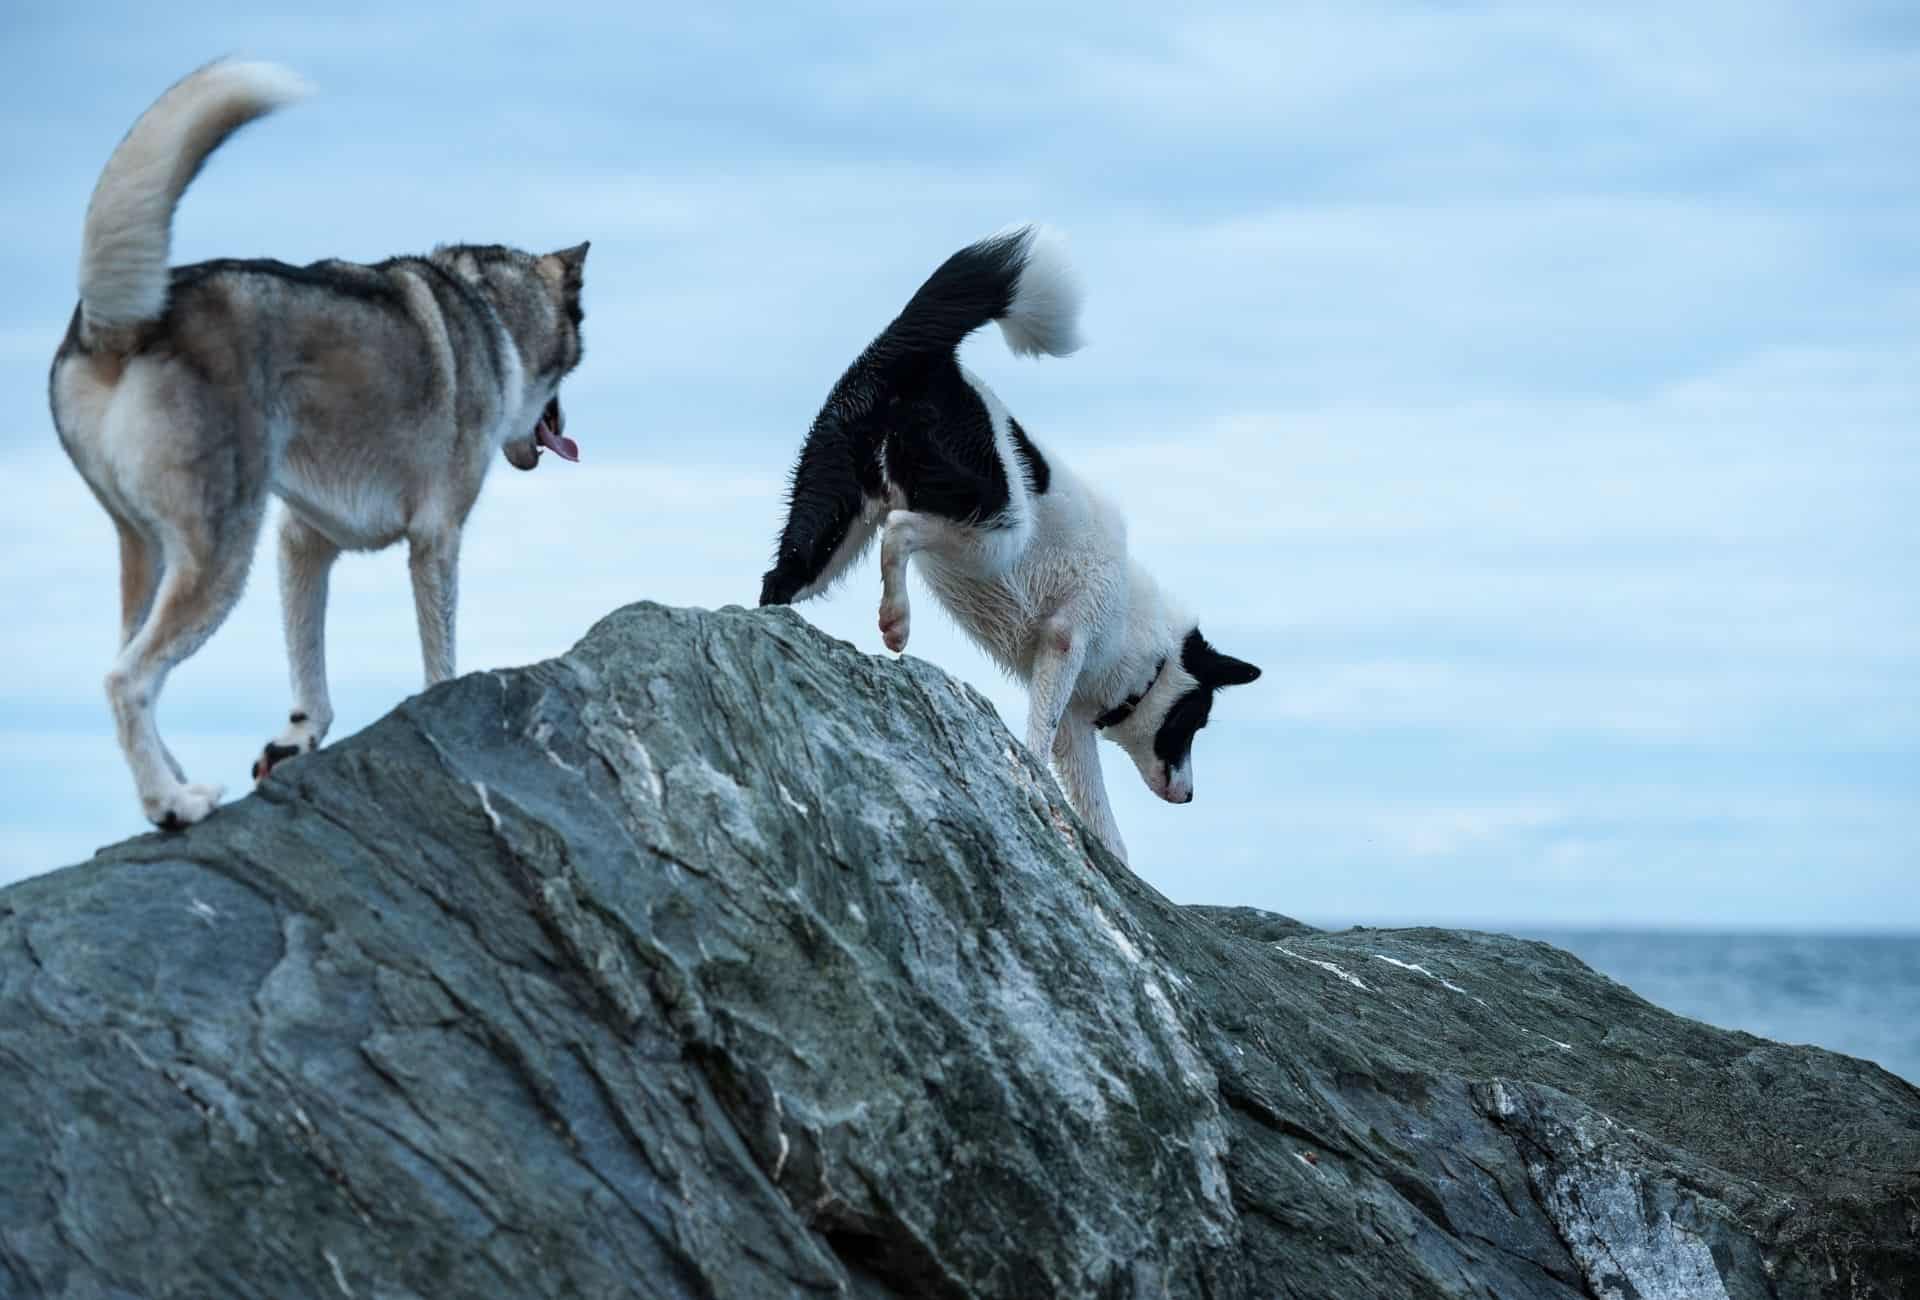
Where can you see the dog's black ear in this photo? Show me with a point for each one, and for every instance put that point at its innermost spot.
(1211, 668)
(1229, 671)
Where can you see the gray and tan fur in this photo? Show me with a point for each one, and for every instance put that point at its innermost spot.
(370, 399)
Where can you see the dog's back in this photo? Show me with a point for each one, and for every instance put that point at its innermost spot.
(907, 426)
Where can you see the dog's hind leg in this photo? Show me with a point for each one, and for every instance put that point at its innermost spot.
(306, 560)
(205, 556)
(139, 578)
(433, 558)
(907, 531)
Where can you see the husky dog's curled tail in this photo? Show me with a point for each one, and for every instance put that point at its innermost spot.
(1019, 277)
(124, 246)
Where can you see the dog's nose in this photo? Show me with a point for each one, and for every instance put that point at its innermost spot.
(1185, 798)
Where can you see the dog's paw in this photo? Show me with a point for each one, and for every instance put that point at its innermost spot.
(895, 622)
(778, 587)
(182, 806)
(302, 736)
(274, 754)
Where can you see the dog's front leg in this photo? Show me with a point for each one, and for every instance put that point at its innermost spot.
(433, 558)
(1056, 668)
(1076, 760)
(306, 561)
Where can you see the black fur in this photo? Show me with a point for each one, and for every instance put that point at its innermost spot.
(343, 278)
(1212, 671)
(1039, 473)
(972, 287)
(837, 470)
(904, 404)
(940, 451)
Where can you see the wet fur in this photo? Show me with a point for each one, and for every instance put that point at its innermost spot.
(370, 399)
(912, 449)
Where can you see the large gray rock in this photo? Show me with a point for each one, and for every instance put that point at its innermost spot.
(718, 959)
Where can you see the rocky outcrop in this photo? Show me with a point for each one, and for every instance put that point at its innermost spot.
(717, 959)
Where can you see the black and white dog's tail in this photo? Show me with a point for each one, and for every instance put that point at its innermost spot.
(1019, 277)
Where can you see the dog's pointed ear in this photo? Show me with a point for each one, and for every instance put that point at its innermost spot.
(1211, 668)
(568, 266)
(1228, 671)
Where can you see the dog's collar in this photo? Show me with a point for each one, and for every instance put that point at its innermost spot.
(1120, 712)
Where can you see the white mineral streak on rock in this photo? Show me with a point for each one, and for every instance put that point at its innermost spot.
(1118, 936)
(487, 805)
(1418, 969)
(543, 737)
(637, 755)
(1324, 965)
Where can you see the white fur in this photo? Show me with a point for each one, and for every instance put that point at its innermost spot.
(1044, 318)
(125, 243)
(1055, 599)
(1047, 588)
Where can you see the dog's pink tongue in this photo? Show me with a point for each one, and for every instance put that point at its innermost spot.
(557, 443)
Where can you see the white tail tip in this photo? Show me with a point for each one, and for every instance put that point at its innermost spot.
(1044, 319)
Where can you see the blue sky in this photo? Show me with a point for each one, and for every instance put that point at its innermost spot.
(1530, 389)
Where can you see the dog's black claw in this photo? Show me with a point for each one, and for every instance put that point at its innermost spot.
(172, 822)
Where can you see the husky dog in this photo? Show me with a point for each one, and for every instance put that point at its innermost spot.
(370, 399)
(1027, 558)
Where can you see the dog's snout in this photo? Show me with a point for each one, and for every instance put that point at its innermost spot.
(1171, 788)
(1176, 786)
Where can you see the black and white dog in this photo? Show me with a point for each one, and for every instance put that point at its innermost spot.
(1028, 559)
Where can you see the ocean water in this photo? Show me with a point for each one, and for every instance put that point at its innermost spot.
(1857, 994)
